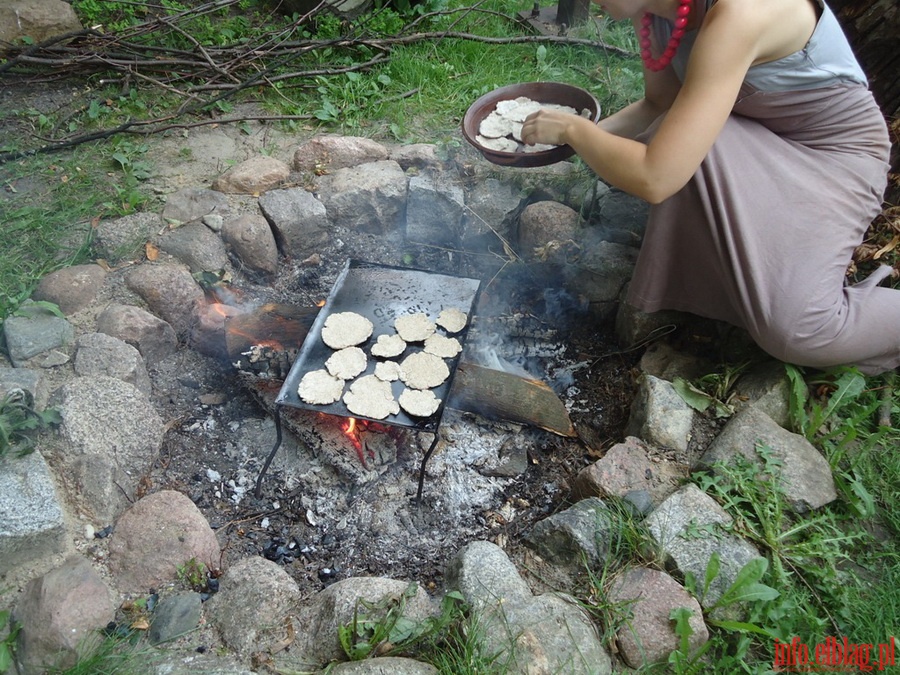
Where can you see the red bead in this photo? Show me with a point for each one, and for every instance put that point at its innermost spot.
(655, 65)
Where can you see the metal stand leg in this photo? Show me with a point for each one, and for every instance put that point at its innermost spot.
(422, 468)
(271, 456)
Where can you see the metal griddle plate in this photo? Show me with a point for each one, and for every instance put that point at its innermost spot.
(382, 293)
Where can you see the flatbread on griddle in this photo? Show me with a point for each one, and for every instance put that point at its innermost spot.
(445, 347)
(371, 397)
(452, 319)
(414, 327)
(388, 346)
(418, 402)
(423, 371)
(319, 387)
(389, 371)
(346, 329)
(346, 363)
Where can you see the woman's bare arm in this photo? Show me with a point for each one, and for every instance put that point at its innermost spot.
(734, 35)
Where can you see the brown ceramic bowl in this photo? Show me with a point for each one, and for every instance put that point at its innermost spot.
(542, 92)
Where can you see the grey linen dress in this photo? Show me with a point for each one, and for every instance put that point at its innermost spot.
(762, 235)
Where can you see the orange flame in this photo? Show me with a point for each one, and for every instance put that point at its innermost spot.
(351, 433)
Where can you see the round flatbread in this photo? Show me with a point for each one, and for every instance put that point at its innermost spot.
(495, 126)
(423, 371)
(346, 363)
(389, 346)
(389, 371)
(319, 387)
(538, 147)
(497, 144)
(518, 109)
(371, 397)
(452, 319)
(419, 403)
(414, 327)
(346, 329)
(445, 347)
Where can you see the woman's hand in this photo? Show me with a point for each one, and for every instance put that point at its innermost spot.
(548, 126)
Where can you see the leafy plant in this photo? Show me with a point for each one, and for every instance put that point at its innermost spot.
(713, 390)
(8, 643)
(19, 420)
(808, 415)
(452, 641)
(378, 629)
(745, 591)
(192, 574)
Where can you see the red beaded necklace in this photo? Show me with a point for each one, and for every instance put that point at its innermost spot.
(684, 9)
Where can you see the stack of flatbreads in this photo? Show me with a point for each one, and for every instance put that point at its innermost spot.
(423, 346)
(501, 130)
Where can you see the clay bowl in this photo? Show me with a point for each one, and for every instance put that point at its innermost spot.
(542, 92)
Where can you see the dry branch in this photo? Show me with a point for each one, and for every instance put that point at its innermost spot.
(205, 74)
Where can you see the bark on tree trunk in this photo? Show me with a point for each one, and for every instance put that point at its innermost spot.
(873, 28)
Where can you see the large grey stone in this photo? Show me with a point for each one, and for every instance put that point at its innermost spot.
(253, 176)
(803, 474)
(252, 608)
(159, 533)
(530, 634)
(109, 438)
(38, 20)
(251, 239)
(600, 272)
(191, 204)
(648, 597)
(151, 336)
(71, 288)
(26, 379)
(434, 210)
(690, 527)
(484, 574)
(299, 220)
(385, 665)
(32, 525)
(58, 611)
(198, 247)
(122, 238)
(491, 207)
(35, 331)
(660, 416)
(170, 292)
(577, 534)
(319, 620)
(765, 387)
(102, 354)
(369, 197)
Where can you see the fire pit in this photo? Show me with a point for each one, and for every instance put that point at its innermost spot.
(382, 294)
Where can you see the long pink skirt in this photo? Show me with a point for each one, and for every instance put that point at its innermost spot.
(762, 235)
